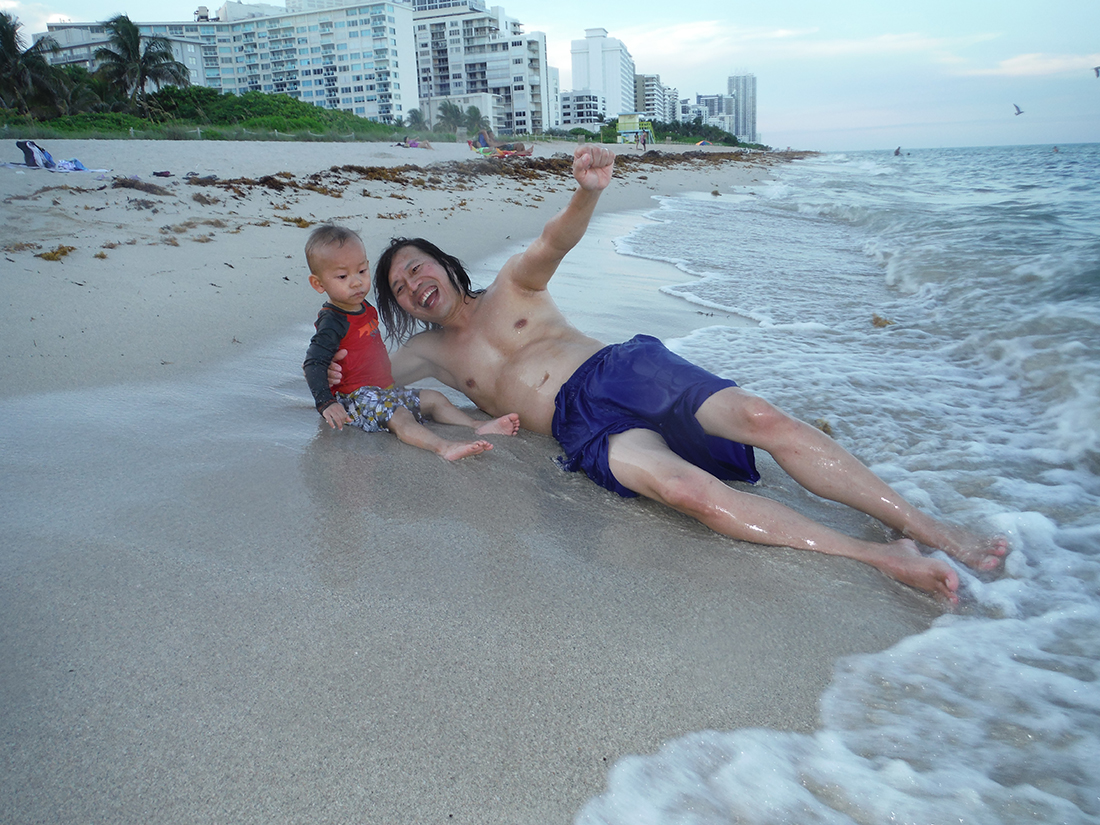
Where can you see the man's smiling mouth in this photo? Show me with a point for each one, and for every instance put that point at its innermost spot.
(428, 295)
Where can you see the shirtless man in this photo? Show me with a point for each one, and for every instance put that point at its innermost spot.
(509, 348)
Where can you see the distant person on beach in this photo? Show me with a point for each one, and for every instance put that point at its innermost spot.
(636, 418)
(486, 140)
(368, 398)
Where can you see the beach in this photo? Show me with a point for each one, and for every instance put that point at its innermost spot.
(216, 609)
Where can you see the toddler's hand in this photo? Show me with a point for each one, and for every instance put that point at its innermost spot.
(336, 416)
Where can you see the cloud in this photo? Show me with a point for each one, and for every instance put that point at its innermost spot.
(1040, 65)
(33, 16)
(702, 39)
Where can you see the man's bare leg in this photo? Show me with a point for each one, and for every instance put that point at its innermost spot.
(823, 467)
(410, 431)
(434, 405)
(642, 462)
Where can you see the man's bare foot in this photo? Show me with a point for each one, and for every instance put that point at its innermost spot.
(974, 550)
(454, 450)
(902, 560)
(505, 425)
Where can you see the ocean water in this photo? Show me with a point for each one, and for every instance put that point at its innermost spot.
(977, 395)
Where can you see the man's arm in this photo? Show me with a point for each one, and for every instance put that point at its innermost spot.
(532, 269)
(406, 365)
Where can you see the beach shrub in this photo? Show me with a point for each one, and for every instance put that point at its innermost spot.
(98, 122)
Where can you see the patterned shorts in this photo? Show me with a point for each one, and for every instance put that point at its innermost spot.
(370, 408)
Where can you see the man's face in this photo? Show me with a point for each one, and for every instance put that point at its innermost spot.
(421, 286)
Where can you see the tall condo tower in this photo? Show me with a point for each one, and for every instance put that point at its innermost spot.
(742, 88)
(602, 65)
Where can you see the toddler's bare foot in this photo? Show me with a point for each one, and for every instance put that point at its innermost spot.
(505, 425)
(454, 450)
(902, 560)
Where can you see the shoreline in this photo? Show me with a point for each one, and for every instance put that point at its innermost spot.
(216, 608)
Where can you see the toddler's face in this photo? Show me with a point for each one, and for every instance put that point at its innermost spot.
(342, 272)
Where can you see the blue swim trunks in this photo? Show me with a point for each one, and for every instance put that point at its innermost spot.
(639, 384)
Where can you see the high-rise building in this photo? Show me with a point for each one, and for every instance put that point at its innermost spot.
(649, 97)
(603, 66)
(553, 98)
(583, 108)
(470, 55)
(742, 88)
(349, 57)
(672, 105)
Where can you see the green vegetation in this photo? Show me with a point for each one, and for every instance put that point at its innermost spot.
(194, 112)
(23, 70)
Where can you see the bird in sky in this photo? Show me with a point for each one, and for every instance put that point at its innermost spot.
(1019, 111)
(1097, 70)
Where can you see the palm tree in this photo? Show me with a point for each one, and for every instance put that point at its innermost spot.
(81, 91)
(451, 117)
(475, 121)
(129, 66)
(23, 71)
(414, 118)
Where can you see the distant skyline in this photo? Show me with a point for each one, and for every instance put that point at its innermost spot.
(856, 75)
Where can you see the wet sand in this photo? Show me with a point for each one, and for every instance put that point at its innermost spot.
(214, 609)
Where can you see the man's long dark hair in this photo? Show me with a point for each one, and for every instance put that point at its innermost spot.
(400, 326)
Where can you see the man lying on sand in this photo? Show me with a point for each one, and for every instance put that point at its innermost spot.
(633, 416)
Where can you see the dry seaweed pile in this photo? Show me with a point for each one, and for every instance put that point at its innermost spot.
(464, 174)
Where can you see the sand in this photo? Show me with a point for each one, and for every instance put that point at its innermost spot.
(214, 609)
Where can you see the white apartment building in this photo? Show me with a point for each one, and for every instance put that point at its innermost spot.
(742, 88)
(349, 57)
(585, 109)
(464, 50)
(603, 66)
(649, 97)
(655, 100)
(672, 104)
(553, 98)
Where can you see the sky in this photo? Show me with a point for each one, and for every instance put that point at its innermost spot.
(845, 75)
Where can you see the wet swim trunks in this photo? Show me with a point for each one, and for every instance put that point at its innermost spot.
(370, 408)
(639, 384)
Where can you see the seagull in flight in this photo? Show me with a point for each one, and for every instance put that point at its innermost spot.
(1019, 111)
(1097, 70)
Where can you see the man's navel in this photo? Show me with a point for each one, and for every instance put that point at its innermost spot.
(520, 324)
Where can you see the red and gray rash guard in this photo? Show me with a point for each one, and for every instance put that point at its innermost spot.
(367, 363)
